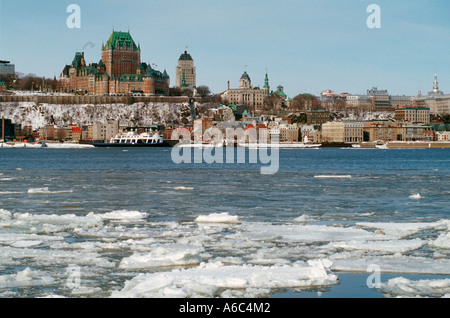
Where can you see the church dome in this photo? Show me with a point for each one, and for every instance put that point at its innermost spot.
(245, 75)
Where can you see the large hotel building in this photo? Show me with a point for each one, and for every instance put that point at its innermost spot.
(120, 71)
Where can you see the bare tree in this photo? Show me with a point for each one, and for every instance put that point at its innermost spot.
(272, 102)
(203, 90)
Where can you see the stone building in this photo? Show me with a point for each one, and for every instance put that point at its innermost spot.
(120, 71)
(6, 68)
(435, 100)
(415, 115)
(185, 72)
(247, 94)
(348, 132)
(317, 117)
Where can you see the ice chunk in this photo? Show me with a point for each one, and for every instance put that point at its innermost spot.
(307, 233)
(56, 223)
(401, 286)
(45, 190)
(163, 256)
(183, 188)
(216, 279)
(302, 219)
(25, 278)
(443, 241)
(401, 229)
(390, 246)
(124, 215)
(393, 264)
(5, 215)
(217, 218)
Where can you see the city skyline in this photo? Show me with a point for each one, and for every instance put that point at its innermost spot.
(304, 46)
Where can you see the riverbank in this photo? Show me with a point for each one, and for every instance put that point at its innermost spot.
(406, 144)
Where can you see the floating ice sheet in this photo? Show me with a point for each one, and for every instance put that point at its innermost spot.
(217, 218)
(216, 279)
(403, 287)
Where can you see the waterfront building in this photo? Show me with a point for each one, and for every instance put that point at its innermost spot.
(6, 68)
(381, 129)
(310, 134)
(348, 131)
(415, 115)
(104, 132)
(120, 71)
(333, 131)
(288, 132)
(417, 133)
(443, 136)
(186, 72)
(247, 94)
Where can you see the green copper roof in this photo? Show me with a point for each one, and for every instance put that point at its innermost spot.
(280, 92)
(245, 75)
(76, 63)
(185, 57)
(266, 82)
(121, 39)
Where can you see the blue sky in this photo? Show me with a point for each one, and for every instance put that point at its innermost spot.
(306, 46)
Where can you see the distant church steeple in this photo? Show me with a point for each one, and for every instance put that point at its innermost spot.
(266, 85)
(435, 85)
(435, 90)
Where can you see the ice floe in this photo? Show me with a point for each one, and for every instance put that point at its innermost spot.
(124, 215)
(391, 264)
(389, 246)
(216, 254)
(223, 217)
(416, 196)
(403, 287)
(218, 280)
(183, 188)
(25, 278)
(45, 190)
(403, 229)
(163, 256)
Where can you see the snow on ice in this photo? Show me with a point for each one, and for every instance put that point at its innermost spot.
(212, 255)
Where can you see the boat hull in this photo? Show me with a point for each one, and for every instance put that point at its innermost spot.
(130, 145)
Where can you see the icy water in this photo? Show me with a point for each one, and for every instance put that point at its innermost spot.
(131, 223)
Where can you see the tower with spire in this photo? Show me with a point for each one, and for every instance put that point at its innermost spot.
(435, 90)
(266, 86)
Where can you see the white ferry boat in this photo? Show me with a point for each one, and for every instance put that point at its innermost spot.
(132, 139)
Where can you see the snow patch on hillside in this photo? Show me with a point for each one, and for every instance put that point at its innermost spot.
(40, 115)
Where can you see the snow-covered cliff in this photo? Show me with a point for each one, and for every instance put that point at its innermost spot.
(39, 115)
